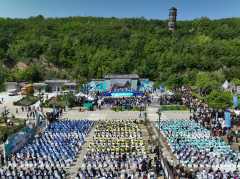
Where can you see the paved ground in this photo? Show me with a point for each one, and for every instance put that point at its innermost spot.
(103, 114)
(8, 99)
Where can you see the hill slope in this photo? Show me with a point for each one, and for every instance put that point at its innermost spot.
(89, 47)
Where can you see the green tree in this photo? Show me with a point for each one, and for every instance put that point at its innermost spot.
(175, 80)
(3, 76)
(209, 81)
(236, 81)
(71, 98)
(177, 96)
(219, 99)
(63, 87)
(39, 88)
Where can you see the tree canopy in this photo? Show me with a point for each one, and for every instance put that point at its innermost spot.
(219, 99)
(89, 47)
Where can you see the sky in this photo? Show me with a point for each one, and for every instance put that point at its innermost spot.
(150, 9)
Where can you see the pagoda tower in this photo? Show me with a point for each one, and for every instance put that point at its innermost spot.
(172, 18)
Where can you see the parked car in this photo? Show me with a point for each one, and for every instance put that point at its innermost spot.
(64, 92)
(13, 92)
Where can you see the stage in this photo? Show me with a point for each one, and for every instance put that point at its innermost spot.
(122, 93)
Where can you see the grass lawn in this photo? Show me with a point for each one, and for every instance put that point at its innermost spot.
(174, 108)
(25, 101)
(58, 102)
(17, 127)
(119, 109)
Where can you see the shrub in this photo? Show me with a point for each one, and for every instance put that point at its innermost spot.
(33, 102)
(13, 116)
(50, 105)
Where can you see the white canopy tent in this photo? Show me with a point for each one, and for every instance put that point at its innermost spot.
(89, 98)
(168, 93)
(225, 85)
(236, 112)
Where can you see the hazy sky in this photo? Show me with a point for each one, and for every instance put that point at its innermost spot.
(150, 9)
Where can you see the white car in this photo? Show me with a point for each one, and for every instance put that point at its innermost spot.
(13, 92)
(64, 92)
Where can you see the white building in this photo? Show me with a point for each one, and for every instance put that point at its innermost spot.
(51, 86)
(54, 85)
(15, 85)
(43, 85)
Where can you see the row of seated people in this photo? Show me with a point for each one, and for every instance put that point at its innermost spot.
(204, 153)
(207, 173)
(186, 128)
(118, 126)
(116, 145)
(102, 160)
(113, 174)
(49, 151)
(43, 173)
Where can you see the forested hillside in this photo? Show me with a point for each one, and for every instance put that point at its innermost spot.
(89, 47)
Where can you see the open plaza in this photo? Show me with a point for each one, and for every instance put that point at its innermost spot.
(124, 134)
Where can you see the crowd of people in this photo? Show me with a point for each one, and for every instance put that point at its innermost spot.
(115, 173)
(133, 101)
(56, 147)
(185, 128)
(183, 172)
(35, 173)
(116, 143)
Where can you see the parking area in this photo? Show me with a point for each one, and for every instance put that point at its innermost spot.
(6, 98)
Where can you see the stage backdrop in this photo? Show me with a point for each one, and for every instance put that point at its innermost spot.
(121, 84)
(18, 141)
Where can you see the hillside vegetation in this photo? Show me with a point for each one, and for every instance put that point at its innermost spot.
(88, 47)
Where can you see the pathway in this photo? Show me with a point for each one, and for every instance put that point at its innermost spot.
(77, 163)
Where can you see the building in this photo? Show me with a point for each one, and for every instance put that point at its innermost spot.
(15, 85)
(43, 85)
(172, 18)
(51, 86)
(54, 85)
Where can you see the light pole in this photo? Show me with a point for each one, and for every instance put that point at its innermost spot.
(159, 115)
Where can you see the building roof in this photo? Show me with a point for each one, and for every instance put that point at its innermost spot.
(57, 80)
(120, 75)
(71, 84)
(20, 83)
(40, 84)
(144, 79)
(98, 79)
(23, 84)
(173, 8)
(10, 83)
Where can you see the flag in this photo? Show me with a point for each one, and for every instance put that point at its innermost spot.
(54, 110)
(160, 89)
(20, 97)
(235, 101)
(37, 117)
(227, 119)
(165, 89)
(216, 116)
(66, 100)
(83, 89)
(79, 90)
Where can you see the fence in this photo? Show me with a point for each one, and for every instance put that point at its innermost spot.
(166, 170)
